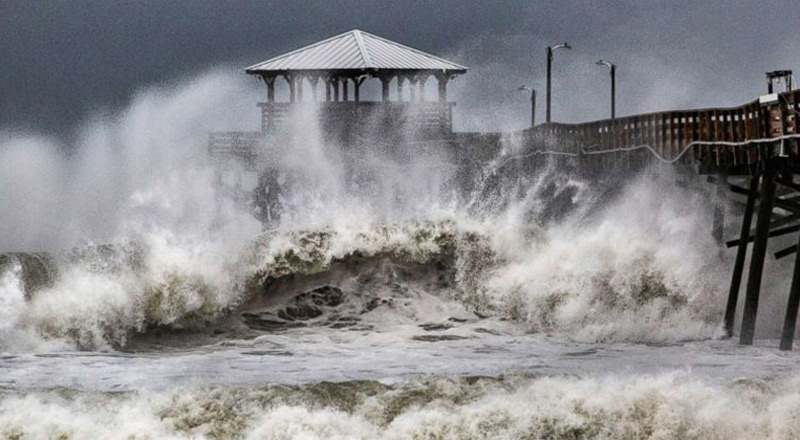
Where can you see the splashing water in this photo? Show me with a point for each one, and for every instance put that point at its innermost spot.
(129, 267)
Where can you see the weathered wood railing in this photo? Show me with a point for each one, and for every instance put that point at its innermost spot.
(712, 136)
(427, 118)
(345, 122)
(237, 143)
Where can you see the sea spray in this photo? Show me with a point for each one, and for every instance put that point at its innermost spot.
(637, 270)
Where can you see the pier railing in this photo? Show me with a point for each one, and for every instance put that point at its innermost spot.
(716, 136)
(233, 143)
(426, 119)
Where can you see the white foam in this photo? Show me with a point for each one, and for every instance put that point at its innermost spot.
(671, 405)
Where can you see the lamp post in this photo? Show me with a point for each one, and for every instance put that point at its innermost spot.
(550, 50)
(613, 68)
(523, 88)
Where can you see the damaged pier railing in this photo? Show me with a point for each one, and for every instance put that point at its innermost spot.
(240, 144)
(759, 139)
(727, 140)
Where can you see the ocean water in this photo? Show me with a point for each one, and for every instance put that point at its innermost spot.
(395, 292)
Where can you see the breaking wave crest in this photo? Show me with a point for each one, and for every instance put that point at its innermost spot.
(615, 276)
(665, 406)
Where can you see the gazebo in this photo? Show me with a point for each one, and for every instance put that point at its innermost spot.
(347, 60)
(355, 56)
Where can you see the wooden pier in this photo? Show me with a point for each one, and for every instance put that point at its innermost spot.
(729, 141)
(759, 141)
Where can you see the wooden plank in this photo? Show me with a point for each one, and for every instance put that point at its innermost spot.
(655, 132)
(651, 131)
(665, 149)
(687, 119)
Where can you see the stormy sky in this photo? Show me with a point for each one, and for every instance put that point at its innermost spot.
(63, 60)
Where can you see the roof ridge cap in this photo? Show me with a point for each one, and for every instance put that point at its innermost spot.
(363, 49)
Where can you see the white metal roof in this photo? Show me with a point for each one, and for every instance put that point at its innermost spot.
(355, 50)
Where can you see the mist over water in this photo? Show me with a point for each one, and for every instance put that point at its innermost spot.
(154, 253)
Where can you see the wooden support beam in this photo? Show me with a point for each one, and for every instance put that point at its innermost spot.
(790, 320)
(400, 80)
(753, 291)
(291, 81)
(739, 190)
(270, 82)
(774, 233)
(786, 252)
(442, 79)
(314, 80)
(718, 224)
(327, 90)
(788, 205)
(741, 254)
(300, 82)
(357, 87)
(335, 87)
(385, 82)
(783, 203)
(789, 184)
(422, 80)
(783, 221)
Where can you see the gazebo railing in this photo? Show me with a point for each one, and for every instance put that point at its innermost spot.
(235, 143)
(425, 118)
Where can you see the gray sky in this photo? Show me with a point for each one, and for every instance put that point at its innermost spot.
(63, 60)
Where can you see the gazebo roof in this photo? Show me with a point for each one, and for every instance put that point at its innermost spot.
(355, 51)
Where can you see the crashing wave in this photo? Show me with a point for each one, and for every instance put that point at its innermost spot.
(665, 406)
(645, 291)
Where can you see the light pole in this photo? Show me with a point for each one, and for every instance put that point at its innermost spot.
(613, 68)
(550, 51)
(523, 88)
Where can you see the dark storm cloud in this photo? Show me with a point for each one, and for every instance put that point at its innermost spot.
(64, 59)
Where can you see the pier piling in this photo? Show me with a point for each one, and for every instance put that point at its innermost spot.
(741, 254)
(790, 321)
(759, 252)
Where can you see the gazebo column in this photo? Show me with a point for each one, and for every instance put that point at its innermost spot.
(386, 80)
(345, 93)
(400, 80)
(422, 80)
(335, 88)
(300, 81)
(270, 82)
(357, 87)
(314, 80)
(327, 89)
(412, 89)
(442, 78)
(291, 81)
